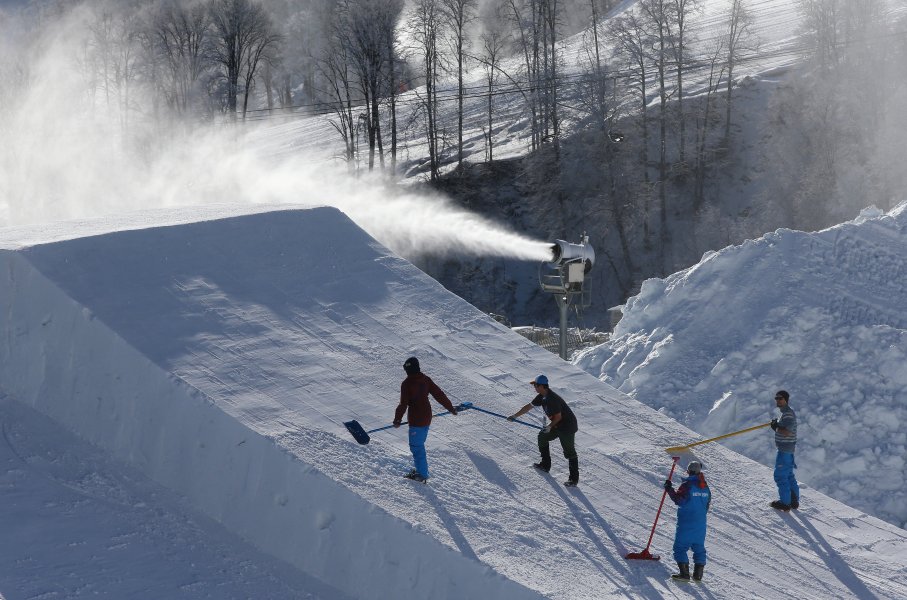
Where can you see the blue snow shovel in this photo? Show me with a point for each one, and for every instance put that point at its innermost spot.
(362, 436)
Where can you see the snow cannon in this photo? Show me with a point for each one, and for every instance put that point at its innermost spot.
(565, 277)
(564, 253)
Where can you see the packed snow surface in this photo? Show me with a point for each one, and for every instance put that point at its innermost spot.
(206, 363)
(818, 314)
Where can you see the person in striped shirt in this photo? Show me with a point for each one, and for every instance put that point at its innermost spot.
(786, 441)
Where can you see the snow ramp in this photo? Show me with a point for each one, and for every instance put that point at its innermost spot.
(220, 352)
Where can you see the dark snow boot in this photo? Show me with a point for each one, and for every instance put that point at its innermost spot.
(697, 572)
(415, 476)
(684, 574)
(794, 501)
(545, 463)
(574, 473)
(778, 505)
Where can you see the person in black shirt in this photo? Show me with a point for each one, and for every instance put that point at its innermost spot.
(563, 426)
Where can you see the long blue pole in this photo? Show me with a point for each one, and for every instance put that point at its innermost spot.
(459, 407)
(474, 407)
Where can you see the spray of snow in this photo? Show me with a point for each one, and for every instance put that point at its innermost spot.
(72, 154)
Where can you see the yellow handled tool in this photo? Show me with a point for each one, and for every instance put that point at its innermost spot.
(679, 449)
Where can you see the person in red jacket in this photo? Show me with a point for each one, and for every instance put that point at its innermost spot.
(414, 393)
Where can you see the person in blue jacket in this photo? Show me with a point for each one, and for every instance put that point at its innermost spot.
(692, 499)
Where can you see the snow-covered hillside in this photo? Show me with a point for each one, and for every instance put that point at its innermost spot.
(819, 314)
(218, 354)
(774, 26)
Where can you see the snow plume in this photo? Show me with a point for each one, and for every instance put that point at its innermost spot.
(411, 224)
(73, 150)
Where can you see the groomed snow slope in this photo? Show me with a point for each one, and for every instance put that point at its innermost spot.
(221, 356)
(819, 314)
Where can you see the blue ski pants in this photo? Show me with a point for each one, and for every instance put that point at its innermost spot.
(417, 437)
(784, 477)
(690, 536)
(681, 546)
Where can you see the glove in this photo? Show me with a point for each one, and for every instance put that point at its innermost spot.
(546, 429)
(511, 418)
(396, 424)
(668, 485)
(453, 411)
(774, 424)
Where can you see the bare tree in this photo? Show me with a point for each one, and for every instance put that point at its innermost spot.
(524, 16)
(679, 43)
(113, 53)
(494, 41)
(425, 25)
(632, 39)
(180, 36)
(658, 14)
(386, 22)
(550, 20)
(716, 71)
(822, 24)
(739, 35)
(335, 68)
(263, 45)
(242, 35)
(599, 72)
(100, 44)
(536, 23)
(459, 13)
(369, 35)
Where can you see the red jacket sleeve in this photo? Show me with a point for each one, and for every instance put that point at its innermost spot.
(404, 403)
(681, 495)
(439, 395)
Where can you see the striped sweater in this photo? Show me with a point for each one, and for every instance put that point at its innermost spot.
(786, 440)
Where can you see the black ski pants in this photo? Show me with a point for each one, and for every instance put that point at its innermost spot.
(567, 444)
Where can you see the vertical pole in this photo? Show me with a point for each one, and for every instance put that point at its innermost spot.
(562, 304)
(663, 494)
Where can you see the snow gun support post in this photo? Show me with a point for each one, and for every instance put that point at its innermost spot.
(565, 278)
(362, 436)
(681, 449)
(645, 554)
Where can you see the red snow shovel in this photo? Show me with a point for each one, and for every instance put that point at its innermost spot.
(645, 554)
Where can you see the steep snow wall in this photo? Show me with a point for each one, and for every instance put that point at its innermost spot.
(89, 338)
(819, 314)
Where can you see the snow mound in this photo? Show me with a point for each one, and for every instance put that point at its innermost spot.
(818, 314)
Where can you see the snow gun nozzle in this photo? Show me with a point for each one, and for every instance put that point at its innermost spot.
(563, 252)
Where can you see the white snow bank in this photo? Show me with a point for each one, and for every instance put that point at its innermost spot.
(100, 337)
(819, 314)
